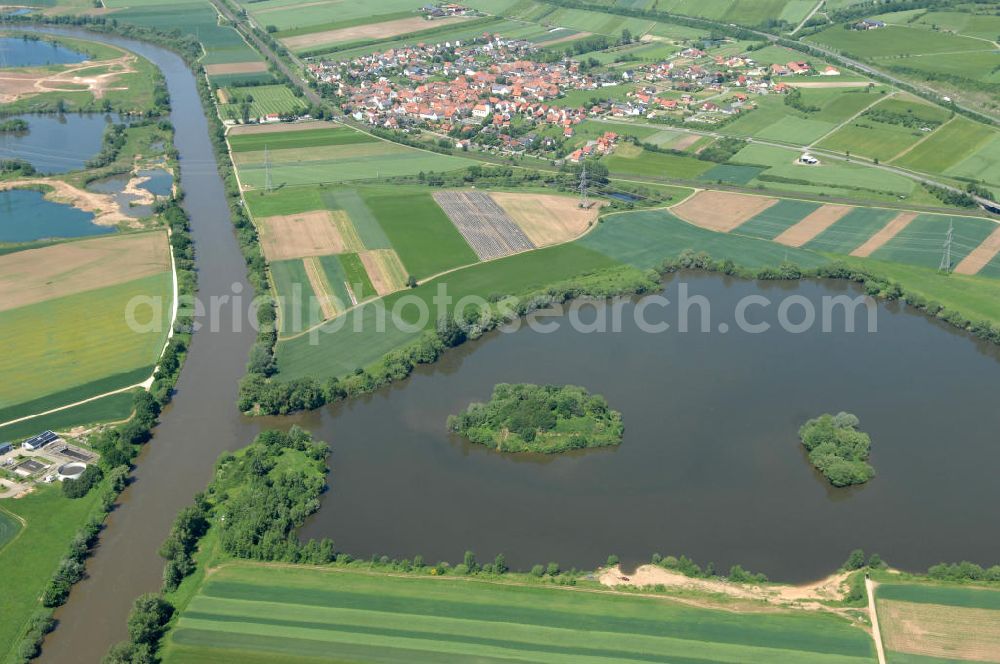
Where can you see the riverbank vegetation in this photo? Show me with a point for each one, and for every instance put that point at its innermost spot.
(544, 419)
(837, 449)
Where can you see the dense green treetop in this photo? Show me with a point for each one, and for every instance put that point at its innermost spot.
(534, 418)
(838, 449)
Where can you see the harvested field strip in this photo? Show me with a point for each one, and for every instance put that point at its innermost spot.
(352, 242)
(307, 234)
(310, 613)
(58, 344)
(851, 230)
(297, 304)
(288, 137)
(369, 231)
(320, 286)
(385, 270)
(547, 219)
(721, 211)
(889, 231)
(485, 225)
(937, 630)
(364, 32)
(357, 276)
(236, 68)
(420, 232)
(981, 256)
(773, 221)
(814, 224)
(922, 241)
(336, 281)
(36, 275)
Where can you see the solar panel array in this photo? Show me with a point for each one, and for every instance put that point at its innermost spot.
(41, 440)
(485, 225)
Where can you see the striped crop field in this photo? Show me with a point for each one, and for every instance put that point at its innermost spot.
(922, 241)
(255, 613)
(770, 223)
(851, 230)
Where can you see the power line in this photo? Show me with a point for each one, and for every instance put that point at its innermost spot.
(584, 202)
(946, 258)
(267, 170)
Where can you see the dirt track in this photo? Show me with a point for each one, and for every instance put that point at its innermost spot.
(720, 210)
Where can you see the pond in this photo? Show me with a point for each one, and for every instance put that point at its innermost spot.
(18, 52)
(159, 182)
(56, 143)
(710, 466)
(25, 216)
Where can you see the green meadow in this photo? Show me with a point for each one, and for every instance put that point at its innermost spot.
(254, 613)
(893, 41)
(288, 140)
(948, 146)
(267, 99)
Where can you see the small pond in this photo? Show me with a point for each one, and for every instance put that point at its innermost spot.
(56, 143)
(160, 183)
(18, 52)
(25, 216)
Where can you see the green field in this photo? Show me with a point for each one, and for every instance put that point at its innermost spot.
(971, 598)
(306, 138)
(333, 269)
(365, 223)
(656, 164)
(113, 408)
(355, 274)
(921, 242)
(9, 528)
(948, 146)
(63, 343)
(850, 231)
(876, 140)
(775, 120)
(51, 521)
(983, 164)
(341, 163)
(254, 613)
(423, 236)
(290, 14)
(893, 41)
(295, 296)
(781, 216)
(266, 100)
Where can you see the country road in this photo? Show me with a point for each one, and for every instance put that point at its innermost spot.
(870, 586)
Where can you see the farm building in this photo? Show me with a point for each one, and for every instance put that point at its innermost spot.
(5, 447)
(39, 441)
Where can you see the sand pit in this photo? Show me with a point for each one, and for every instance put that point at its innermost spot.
(721, 211)
(368, 31)
(16, 85)
(385, 270)
(806, 596)
(547, 219)
(889, 231)
(981, 255)
(935, 630)
(36, 275)
(252, 67)
(105, 209)
(308, 234)
(814, 224)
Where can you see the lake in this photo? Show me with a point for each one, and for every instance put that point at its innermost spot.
(56, 143)
(26, 216)
(710, 466)
(18, 52)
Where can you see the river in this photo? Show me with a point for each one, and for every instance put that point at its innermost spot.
(197, 426)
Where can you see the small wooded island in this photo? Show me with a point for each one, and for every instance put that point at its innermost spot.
(837, 449)
(535, 418)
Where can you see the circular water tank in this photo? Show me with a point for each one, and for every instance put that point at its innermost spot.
(71, 470)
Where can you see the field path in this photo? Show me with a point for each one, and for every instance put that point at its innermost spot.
(981, 255)
(929, 134)
(891, 230)
(851, 119)
(870, 586)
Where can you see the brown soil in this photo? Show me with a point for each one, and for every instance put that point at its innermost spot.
(804, 597)
(300, 235)
(383, 30)
(814, 224)
(385, 270)
(103, 206)
(222, 96)
(236, 68)
(545, 218)
(934, 630)
(720, 210)
(981, 255)
(685, 141)
(889, 231)
(565, 38)
(36, 275)
(317, 279)
(15, 85)
(827, 84)
(279, 127)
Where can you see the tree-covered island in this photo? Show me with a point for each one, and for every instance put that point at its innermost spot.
(535, 418)
(837, 449)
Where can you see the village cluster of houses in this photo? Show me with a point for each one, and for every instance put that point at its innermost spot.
(445, 10)
(498, 91)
